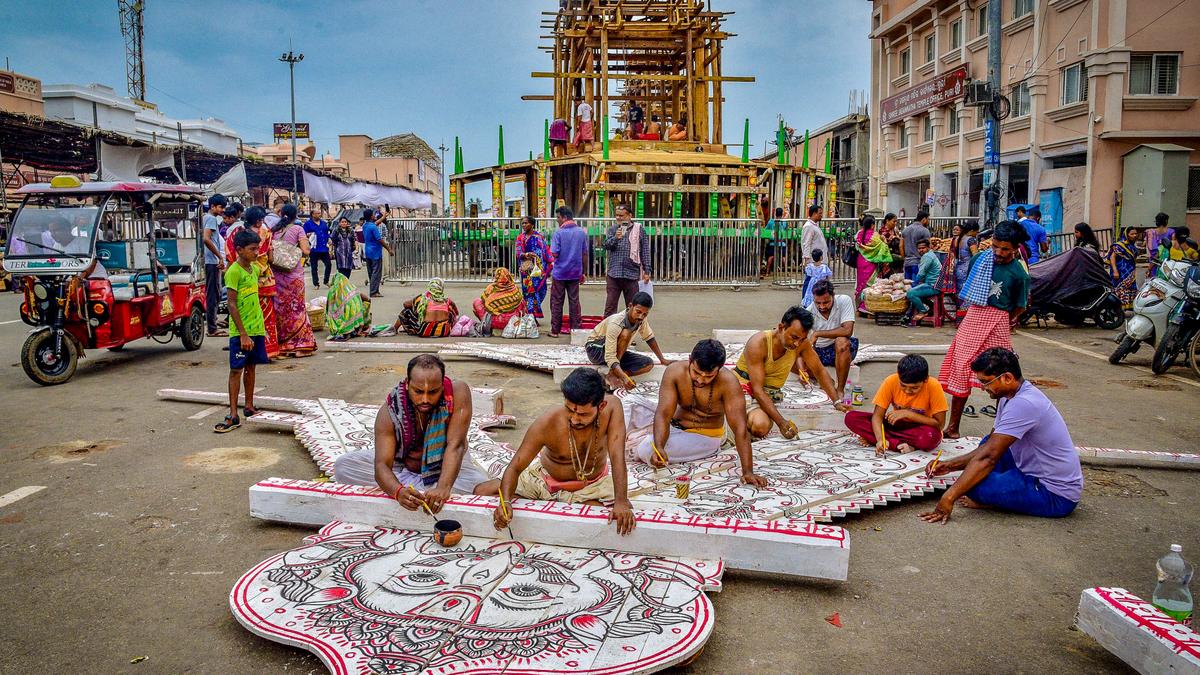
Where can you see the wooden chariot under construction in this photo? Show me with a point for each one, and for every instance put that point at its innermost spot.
(663, 56)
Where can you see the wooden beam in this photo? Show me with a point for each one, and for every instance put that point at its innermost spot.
(676, 168)
(654, 187)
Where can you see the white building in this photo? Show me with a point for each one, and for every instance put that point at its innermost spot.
(101, 106)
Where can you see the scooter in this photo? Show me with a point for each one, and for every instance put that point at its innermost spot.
(1182, 325)
(1151, 309)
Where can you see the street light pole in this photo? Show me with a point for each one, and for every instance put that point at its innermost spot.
(441, 183)
(292, 59)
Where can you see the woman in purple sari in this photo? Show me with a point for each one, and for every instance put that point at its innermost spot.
(531, 247)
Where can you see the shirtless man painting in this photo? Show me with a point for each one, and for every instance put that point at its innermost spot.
(575, 453)
(696, 399)
(763, 368)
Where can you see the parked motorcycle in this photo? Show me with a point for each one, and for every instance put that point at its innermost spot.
(1183, 325)
(1073, 287)
(1151, 309)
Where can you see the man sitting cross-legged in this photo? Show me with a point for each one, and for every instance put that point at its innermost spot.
(696, 399)
(918, 410)
(833, 329)
(763, 368)
(608, 345)
(575, 453)
(420, 450)
(1028, 463)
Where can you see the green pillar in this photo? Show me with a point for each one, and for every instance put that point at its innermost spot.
(640, 205)
(605, 132)
(780, 144)
(545, 140)
(828, 159)
(753, 205)
(713, 212)
(746, 142)
(531, 155)
(500, 152)
(458, 158)
(676, 204)
(806, 148)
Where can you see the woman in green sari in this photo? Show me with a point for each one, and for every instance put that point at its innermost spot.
(347, 310)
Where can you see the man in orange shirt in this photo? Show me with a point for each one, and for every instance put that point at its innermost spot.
(918, 410)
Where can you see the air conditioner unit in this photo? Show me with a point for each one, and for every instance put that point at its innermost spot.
(979, 92)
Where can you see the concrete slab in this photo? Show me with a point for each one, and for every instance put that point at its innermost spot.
(1137, 632)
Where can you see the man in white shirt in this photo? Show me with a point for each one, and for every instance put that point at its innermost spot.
(812, 239)
(833, 330)
(584, 129)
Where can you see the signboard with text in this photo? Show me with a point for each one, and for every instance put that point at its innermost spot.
(927, 95)
(284, 130)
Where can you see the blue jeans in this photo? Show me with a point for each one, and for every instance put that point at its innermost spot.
(1008, 489)
(917, 294)
(910, 272)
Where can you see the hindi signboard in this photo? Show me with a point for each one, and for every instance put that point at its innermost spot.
(284, 130)
(930, 94)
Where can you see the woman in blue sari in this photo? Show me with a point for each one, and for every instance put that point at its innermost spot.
(533, 262)
(1122, 263)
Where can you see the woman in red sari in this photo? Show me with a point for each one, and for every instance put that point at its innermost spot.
(253, 219)
(295, 330)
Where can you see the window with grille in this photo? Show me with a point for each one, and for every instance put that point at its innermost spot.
(904, 61)
(956, 34)
(1020, 100)
(903, 136)
(1021, 8)
(1074, 84)
(1154, 74)
(928, 130)
(981, 21)
(1193, 195)
(930, 48)
(955, 123)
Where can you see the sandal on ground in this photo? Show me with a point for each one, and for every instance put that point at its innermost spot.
(228, 425)
(250, 411)
(969, 411)
(989, 410)
(217, 334)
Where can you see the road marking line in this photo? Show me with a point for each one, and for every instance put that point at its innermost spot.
(1085, 352)
(5, 323)
(19, 494)
(206, 412)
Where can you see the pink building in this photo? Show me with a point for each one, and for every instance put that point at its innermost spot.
(1089, 82)
(404, 159)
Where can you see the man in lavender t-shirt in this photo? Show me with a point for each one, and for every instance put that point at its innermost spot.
(1028, 463)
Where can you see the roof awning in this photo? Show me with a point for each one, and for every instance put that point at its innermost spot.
(901, 175)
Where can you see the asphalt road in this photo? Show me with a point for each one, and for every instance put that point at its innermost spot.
(142, 528)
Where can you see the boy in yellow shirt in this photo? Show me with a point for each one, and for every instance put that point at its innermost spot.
(917, 410)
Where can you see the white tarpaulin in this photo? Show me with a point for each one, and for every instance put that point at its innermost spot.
(231, 183)
(368, 194)
(125, 163)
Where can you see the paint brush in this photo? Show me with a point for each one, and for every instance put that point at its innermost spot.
(507, 514)
(658, 453)
(423, 504)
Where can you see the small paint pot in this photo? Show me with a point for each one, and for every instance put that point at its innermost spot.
(682, 486)
(447, 532)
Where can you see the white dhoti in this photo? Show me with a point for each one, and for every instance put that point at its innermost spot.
(358, 468)
(684, 445)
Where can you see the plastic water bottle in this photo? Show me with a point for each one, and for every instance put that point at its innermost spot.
(1171, 595)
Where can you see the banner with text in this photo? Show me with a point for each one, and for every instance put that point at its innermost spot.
(924, 96)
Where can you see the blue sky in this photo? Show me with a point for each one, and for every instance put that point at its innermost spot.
(444, 68)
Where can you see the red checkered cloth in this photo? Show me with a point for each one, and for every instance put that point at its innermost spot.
(981, 329)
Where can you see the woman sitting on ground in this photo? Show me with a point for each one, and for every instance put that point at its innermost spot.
(347, 310)
(430, 314)
(501, 299)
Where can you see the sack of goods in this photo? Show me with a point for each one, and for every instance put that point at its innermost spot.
(892, 288)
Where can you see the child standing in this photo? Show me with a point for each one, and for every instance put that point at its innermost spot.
(814, 272)
(918, 410)
(247, 329)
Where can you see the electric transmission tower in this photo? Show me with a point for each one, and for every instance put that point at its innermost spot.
(133, 29)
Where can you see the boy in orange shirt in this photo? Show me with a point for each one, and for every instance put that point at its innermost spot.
(918, 410)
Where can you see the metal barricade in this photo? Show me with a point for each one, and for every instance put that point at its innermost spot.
(683, 251)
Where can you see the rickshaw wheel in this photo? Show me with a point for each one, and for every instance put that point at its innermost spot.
(43, 365)
(191, 332)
